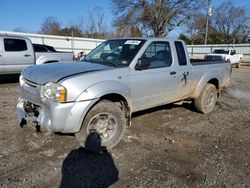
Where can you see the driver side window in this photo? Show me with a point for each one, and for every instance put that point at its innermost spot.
(233, 52)
(158, 54)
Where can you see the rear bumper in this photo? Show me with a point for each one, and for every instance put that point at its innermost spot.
(57, 117)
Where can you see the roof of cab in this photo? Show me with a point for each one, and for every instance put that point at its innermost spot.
(148, 39)
(14, 36)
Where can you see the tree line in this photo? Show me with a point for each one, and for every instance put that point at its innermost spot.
(156, 18)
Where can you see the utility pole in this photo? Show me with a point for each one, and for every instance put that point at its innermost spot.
(209, 13)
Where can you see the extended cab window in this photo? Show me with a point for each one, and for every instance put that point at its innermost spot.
(180, 53)
(158, 54)
(15, 45)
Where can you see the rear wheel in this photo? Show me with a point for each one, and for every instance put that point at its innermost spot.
(103, 127)
(205, 103)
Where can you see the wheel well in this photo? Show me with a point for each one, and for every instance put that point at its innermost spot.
(120, 101)
(215, 82)
(53, 61)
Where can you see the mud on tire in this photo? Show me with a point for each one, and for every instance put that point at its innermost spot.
(205, 103)
(103, 127)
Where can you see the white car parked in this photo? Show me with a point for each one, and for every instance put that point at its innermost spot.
(228, 55)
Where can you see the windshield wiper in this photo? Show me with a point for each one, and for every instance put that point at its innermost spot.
(106, 63)
(101, 62)
(111, 63)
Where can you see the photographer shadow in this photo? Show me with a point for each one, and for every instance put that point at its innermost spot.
(91, 167)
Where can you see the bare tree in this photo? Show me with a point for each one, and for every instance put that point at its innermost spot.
(91, 26)
(78, 24)
(230, 22)
(20, 29)
(96, 27)
(71, 31)
(100, 22)
(195, 27)
(50, 26)
(154, 17)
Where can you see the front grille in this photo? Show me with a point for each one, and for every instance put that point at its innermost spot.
(30, 91)
(30, 83)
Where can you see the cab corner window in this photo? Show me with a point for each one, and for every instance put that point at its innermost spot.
(180, 53)
(14, 45)
(38, 48)
(158, 54)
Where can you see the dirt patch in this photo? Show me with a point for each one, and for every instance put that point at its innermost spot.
(169, 146)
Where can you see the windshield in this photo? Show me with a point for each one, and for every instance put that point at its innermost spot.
(118, 52)
(220, 51)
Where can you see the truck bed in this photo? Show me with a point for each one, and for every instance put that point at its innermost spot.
(195, 62)
(219, 69)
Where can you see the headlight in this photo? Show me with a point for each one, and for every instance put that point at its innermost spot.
(54, 91)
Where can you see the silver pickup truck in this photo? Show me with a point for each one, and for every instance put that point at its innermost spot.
(17, 53)
(116, 79)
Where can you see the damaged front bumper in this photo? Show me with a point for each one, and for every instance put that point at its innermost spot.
(52, 116)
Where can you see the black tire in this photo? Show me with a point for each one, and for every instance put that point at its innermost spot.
(205, 103)
(96, 126)
(238, 65)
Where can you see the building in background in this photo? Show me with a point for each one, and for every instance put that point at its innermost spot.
(60, 43)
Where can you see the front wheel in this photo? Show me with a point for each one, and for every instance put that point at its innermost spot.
(103, 127)
(205, 103)
(238, 65)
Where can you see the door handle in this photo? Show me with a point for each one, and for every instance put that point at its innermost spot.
(172, 73)
(27, 55)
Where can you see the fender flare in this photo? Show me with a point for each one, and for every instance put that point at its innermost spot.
(43, 59)
(203, 81)
(103, 88)
(106, 87)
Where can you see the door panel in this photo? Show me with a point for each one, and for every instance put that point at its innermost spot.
(1, 56)
(152, 87)
(1, 61)
(155, 85)
(234, 59)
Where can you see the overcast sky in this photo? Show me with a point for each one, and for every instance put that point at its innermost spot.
(29, 14)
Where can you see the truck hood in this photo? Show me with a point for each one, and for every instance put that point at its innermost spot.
(54, 72)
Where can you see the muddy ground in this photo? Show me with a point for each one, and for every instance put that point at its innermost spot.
(169, 146)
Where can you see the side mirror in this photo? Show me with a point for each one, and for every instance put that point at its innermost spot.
(143, 63)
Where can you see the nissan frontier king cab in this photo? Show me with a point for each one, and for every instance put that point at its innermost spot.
(116, 79)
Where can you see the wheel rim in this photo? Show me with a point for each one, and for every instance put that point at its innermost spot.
(105, 124)
(210, 100)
